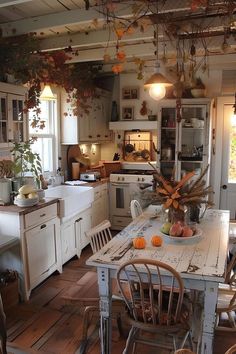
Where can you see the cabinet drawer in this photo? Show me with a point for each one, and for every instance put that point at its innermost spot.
(40, 215)
(97, 192)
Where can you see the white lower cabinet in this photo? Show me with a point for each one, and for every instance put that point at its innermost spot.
(42, 247)
(39, 251)
(73, 238)
(83, 224)
(100, 209)
(68, 241)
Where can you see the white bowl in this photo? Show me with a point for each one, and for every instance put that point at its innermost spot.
(197, 93)
(26, 202)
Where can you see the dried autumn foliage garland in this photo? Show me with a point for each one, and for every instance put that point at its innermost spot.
(20, 57)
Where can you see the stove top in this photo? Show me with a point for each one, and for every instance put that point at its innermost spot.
(133, 172)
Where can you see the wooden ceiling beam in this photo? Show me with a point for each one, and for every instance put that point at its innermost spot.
(5, 3)
(73, 17)
(92, 38)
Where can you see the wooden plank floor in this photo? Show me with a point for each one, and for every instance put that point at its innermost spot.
(47, 325)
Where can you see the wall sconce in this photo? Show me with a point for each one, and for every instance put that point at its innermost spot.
(83, 148)
(93, 149)
(233, 117)
(47, 94)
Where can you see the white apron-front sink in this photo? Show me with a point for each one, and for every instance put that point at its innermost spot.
(72, 199)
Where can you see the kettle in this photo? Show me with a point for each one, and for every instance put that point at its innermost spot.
(5, 191)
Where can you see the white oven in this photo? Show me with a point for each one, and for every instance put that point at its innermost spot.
(125, 186)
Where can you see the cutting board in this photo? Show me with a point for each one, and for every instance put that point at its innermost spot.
(74, 155)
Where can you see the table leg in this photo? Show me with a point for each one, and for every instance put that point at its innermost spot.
(208, 325)
(104, 283)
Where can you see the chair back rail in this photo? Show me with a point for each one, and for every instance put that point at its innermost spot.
(99, 235)
(231, 350)
(230, 276)
(151, 302)
(135, 209)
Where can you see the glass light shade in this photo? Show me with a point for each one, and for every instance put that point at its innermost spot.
(157, 91)
(47, 93)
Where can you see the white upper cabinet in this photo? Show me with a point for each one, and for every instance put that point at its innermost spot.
(89, 127)
(13, 120)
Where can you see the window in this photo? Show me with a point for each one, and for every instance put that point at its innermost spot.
(46, 144)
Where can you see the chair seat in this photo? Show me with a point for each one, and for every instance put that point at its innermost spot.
(225, 294)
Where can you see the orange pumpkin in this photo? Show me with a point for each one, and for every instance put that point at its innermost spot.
(139, 242)
(156, 240)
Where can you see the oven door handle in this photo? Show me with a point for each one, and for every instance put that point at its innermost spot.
(120, 184)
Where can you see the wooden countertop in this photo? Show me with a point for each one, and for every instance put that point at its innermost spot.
(25, 210)
(95, 184)
(92, 184)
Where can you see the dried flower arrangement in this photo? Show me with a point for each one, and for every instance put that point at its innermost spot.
(176, 195)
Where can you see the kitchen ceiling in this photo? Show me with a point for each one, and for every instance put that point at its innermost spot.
(66, 23)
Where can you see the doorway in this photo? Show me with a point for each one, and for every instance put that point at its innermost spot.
(228, 157)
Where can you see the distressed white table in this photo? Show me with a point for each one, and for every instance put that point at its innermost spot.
(201, 264)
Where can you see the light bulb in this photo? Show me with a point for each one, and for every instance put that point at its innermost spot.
(157, 91)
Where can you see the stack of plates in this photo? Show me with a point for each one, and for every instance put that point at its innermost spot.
(26, 202)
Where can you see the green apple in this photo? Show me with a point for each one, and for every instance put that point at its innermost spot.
(166, 228)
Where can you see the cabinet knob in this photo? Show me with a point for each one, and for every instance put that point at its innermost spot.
(90, 136)
(224, 186)
(43, 226)
(98, 136)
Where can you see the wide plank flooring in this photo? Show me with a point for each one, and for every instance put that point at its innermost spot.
(46, 324)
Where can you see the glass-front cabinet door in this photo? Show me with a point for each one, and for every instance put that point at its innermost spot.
(13, 119)
(183, 145)
(3, 120)
(193, 140)
(16, 118)
(168, 136)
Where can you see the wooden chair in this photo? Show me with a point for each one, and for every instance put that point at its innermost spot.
(226, 303)
(135, 209)
(230, 275)
(3, 330)
(184, 351)
(152, 306)
(99, 236)
(226, 306)
(231, 350)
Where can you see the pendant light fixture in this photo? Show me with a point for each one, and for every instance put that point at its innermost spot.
(47, 94)
(233, 117)
(157, 83)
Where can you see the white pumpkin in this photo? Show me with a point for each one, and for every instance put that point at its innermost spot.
(26, 189)
(32, 195)
(20, 196)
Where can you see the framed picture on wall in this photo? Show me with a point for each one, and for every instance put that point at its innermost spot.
(127, 113)
(130, 93)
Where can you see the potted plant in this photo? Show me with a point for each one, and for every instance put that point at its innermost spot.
(25, 160)
(199, 89)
